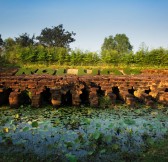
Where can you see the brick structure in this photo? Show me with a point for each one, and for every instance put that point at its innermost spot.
(74, 90)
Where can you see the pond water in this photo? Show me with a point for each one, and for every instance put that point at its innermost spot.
(81, 133)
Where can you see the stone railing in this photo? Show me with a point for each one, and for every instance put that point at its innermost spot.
(73, 90)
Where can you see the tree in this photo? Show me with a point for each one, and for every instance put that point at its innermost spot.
(123, 45)
(141, 54)
(24, 40)
(120, 43)
(1, 44)
(56, 37)
(1, 41)
(110, 56)
(109, 43)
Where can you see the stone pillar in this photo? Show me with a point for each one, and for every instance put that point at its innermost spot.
(14, 99)
(36, 97)
(128, 98)
(144, 97)
(93, 98)
(2, 97)
(56, 97)
(163, 98)
(76, 97)
(36, 102)
(112, 97)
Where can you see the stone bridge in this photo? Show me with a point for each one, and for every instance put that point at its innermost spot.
(58, 91)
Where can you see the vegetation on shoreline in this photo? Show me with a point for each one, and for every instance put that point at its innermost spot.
(51, 47)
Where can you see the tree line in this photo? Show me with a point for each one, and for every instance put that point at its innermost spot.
(52, 46)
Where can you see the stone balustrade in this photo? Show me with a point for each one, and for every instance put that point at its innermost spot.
(74, 90)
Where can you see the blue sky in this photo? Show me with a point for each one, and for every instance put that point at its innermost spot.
(91, 20)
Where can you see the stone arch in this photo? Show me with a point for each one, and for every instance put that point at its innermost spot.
(131, 91)
(100, 92)
(25, 98)
(116, 91)
(147, 91)
(84, 97)
(66, 99)
(4, 96)
(45, 97)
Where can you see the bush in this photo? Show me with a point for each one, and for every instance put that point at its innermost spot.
(129, 71)
(26, 71)
(51, 71)
(41, 71)
(105, 72)
(95, 72)
(60, 71)
(81, 71)
(116, 72)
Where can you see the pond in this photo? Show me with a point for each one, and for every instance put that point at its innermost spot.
(83, 134)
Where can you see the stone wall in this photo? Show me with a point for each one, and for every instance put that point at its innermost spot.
(73, 90)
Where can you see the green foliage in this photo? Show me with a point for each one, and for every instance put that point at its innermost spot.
(110, 57)
(71, 158)
(116, 71)
(81, 71)
(35, 124)
(45, 71)
(1, 41)
(56, 37)
(24, 40)
(129, 121)
(60, 71)
(69, 131)
(53, 48)
(104, 101)
(109, 43)
(129, 71)
(95, 71)
(120, 43)
(157, 152)
(26, 71)
(41, 71)
(105, 72)
(51, 71)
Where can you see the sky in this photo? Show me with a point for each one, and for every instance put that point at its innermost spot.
(92, 20)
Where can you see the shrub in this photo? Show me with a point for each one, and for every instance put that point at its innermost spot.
(129, 71)
(81, 71)
(105, 72)
(95, 72)
(41, 71)
(51, 71)
(26, 71)
(135, 71)
(60, 71)
(116, 72)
